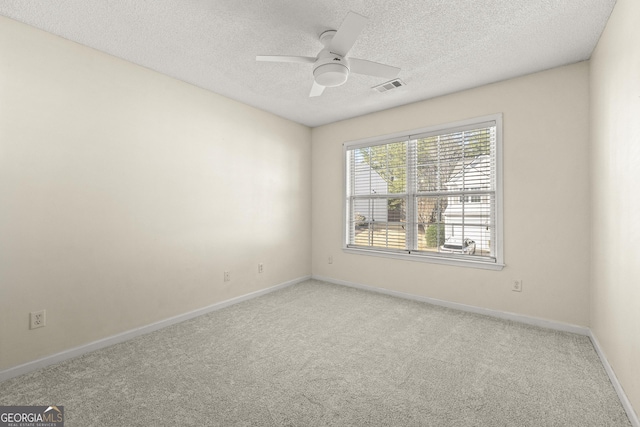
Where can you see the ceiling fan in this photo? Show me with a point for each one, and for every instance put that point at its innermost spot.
(332, 67)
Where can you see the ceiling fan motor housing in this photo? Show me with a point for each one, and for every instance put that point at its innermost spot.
(331, 70)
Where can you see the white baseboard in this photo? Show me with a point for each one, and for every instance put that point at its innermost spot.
(633, 417)
(549, 324)
(124, 336)
(559, 326)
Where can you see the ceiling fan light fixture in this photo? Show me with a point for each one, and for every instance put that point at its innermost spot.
(331, 74)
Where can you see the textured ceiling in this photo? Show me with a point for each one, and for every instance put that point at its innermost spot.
(442, 46)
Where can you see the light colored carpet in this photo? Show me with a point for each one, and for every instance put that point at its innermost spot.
(318, 354)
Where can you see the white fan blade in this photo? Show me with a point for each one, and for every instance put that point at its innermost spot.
(316, 89)
(284, 58)
(347, 34)
(370, 68)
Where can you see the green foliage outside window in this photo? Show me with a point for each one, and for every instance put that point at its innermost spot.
(435, 235)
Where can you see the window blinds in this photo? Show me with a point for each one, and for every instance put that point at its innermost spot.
(430, 194)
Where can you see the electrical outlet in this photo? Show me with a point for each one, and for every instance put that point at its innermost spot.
(227, 276)
(516, 286)
(260, 267)
(330, 260)
(37, 319)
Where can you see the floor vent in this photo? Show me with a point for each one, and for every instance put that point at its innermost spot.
(393, 84)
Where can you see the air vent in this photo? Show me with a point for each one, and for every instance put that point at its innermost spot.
(393, 84)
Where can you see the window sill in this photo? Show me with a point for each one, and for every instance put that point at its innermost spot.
(484, 265)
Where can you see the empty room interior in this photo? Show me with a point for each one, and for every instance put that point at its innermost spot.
(320, 212)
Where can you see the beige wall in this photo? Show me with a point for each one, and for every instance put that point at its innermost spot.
(546, 219)
(125, 194)
(615, 181)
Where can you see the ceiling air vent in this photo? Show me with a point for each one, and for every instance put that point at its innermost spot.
(393, 84)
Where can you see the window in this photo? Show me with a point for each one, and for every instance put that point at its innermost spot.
(474, 198)
(432, 194)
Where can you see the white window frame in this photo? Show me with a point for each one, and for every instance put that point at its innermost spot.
(462, 261)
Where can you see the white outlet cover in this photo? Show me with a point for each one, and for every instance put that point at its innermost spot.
(37, 319)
